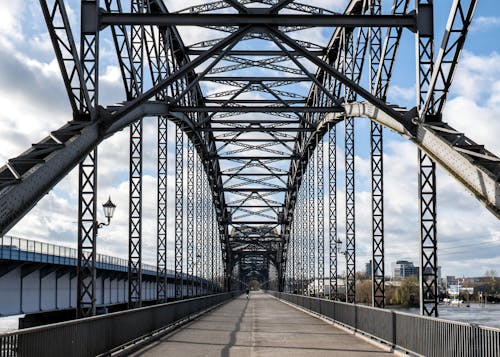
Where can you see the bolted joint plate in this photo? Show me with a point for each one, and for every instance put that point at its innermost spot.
(90, 17)
(425, 20)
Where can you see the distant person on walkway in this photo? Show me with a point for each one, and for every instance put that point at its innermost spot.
(248, 293)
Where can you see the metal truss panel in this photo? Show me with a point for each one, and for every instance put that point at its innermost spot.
(67, 56)
(377, 60)
(135, 217)
(427, 167)
(378, 268)
(332, 210)
(87, 234)
(350, 250)
(199, 192)
(135, 84)
(179, 212)
(190, 224)
(311, 228)
(320, 209)
(87, 206)
(428, 236)
(162, 199)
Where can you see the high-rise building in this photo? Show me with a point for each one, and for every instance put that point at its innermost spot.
(403, 269)
(368, 269)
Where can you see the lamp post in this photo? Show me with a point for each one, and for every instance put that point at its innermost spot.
(109, 209)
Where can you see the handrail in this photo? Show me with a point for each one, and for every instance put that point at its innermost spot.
(423, 335)
(100, 334)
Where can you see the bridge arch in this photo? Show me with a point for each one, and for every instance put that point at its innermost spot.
(176, 95)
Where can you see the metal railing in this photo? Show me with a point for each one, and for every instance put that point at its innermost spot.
(421, 335)
(13, 248)
(101, 334)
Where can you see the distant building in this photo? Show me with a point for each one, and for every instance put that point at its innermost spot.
(404, 269)
(368, 268)
(450, 279)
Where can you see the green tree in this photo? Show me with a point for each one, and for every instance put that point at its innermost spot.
(364, 291)
(407, 294)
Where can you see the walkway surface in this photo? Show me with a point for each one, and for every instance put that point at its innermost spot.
(260, 326)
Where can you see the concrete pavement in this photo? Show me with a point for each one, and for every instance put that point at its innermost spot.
(260, 326)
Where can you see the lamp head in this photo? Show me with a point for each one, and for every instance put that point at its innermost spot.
(109, 209)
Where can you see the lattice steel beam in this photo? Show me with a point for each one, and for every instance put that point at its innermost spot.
(87, 234)
(427, 168)
(162, 199)
(87, 206)
(320, 209)
(332, 210)
(376, 150)
(135, 178)
(67, 56)
(190, 217)
(350, 210)
(199, 189)
(179, 212)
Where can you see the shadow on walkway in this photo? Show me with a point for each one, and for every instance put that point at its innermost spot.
(232, 337)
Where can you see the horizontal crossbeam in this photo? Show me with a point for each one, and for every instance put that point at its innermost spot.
(255, 189)
(256, 109)
(408, 21)
(255, 79)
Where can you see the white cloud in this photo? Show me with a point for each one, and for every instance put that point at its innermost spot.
(10, 20)
(485, 23)
(475, 99)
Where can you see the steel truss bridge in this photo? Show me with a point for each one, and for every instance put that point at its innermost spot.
(255, 159)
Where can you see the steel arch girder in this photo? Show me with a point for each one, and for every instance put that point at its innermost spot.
(17, 199)
(458, 162)
(451, 153)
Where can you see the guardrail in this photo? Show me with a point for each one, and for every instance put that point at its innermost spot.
(14, 248)
(421, 335)
(100, 334)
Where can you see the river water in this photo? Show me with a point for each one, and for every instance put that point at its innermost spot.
(486, 315)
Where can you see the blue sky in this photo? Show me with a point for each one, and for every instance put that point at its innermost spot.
(34, 103)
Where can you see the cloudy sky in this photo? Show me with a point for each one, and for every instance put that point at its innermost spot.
(33, 102)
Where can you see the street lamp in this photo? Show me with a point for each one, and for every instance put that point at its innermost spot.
(109, 209)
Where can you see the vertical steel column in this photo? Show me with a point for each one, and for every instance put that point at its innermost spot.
(311, 232)
(190, 217)
(376, 146)
(350, 211)
(427, 167)
(179, 211)
(212, 243)
(350, 67)
(199, 223)
(303, 228)
(87, 233)
(293, 267)
(135, 215)
(162, 195)
(87, 172)
(320, 190)
(332, 208)
(135, 178)
(205, 230)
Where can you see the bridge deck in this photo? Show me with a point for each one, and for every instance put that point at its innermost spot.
(261, 326)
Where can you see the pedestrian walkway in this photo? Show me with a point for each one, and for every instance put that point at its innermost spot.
(260, 326)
